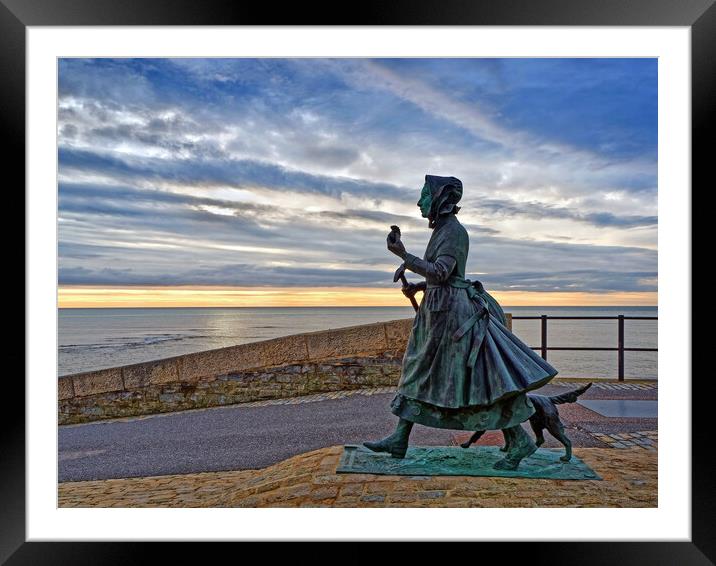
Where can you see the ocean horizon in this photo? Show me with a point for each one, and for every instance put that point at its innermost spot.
(97, 338)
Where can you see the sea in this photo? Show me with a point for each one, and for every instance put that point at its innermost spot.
(97, 338)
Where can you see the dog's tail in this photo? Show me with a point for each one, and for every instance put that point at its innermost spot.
(569, 396)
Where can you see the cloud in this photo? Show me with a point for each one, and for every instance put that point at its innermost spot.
(290, 172)
(541, 210)
(225, 172)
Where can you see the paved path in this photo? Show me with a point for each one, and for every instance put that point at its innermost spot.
(629, 479)
(242, 437)
(227, 438)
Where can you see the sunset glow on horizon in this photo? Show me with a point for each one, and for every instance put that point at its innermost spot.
(150, 297)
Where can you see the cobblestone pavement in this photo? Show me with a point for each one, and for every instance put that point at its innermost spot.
(322, 397)
(608, 385)
(646, 439)
(309, 480)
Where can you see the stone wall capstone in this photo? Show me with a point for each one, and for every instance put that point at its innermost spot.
(301, 364)
(353, 357)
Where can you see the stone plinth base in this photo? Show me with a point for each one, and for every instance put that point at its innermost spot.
(456, 461)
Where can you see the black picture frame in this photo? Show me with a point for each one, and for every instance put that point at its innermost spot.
(699, 15)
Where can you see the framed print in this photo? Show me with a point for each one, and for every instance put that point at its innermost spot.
(204, 186)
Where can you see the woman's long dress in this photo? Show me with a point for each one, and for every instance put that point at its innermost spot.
(462, 368)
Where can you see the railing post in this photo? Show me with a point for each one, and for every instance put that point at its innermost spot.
(620, 351)
(544, 336)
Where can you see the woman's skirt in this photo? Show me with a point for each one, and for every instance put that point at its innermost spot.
(464, 369)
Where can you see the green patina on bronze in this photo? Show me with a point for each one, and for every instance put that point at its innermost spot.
(425, 202)
(498, 416)
(455, 461)
(462, 368)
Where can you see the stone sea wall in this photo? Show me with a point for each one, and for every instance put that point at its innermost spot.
(290, 366)
(301, 364)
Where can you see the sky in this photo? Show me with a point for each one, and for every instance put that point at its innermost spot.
(274, 182)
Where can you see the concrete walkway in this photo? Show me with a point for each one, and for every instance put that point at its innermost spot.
(256, 435)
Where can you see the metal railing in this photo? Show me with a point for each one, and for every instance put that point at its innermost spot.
(620, 348)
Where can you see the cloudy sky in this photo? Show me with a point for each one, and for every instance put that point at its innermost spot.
(275, 181)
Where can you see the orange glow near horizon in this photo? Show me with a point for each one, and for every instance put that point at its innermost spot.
(136, 297)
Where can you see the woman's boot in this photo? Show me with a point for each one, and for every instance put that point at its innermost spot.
(396, 443)
(519, 445)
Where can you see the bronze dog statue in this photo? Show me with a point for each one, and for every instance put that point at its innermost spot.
(546, 416)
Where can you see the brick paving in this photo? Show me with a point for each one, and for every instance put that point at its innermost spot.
(607, 385)
(567, 382)
(322, 397)
(309, 480)
(646, 439)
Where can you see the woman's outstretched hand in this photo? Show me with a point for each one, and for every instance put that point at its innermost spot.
(395, 245)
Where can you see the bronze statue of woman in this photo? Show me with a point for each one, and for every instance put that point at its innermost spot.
(462, 368)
